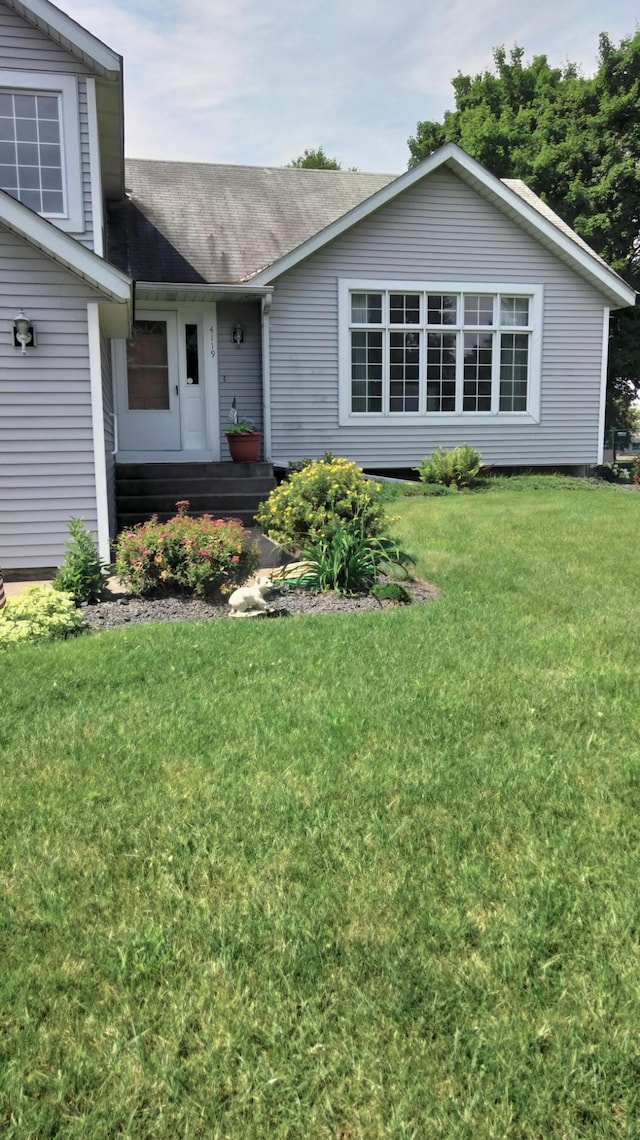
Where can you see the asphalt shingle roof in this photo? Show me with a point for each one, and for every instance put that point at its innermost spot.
(195, 222)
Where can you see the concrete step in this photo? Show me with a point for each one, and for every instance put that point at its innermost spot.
(223, 470)
(190, 488)
(218, 505)
(131, 518)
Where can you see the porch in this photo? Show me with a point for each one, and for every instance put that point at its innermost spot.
(221, 489)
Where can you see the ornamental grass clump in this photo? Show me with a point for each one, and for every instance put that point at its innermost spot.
(202, 556)
(39, 614)
(319, 501)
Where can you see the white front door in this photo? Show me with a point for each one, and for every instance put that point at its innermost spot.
(148, 386)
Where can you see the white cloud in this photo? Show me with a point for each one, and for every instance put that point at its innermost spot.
(243, 81)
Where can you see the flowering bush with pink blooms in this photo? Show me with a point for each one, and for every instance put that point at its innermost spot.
(195, 555)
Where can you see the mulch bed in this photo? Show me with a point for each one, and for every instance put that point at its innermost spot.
(285, 601)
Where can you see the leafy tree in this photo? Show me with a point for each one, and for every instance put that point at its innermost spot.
(315, 160)
(576, 142)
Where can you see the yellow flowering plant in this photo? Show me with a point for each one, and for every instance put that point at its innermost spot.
(319, 500)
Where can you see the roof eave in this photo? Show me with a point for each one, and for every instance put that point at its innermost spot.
(84, 263)
(617, 292)
(70, 35)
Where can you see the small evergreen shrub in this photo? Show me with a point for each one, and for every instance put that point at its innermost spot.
(39, 614)
(194, 555)
(458, 467)
(317, 502)
(82, 573)
(391, 592)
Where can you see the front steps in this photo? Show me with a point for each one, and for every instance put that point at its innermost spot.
(223, 490)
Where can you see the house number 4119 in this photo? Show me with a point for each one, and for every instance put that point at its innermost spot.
(213, 340)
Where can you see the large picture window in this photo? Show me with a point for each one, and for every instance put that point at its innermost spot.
(412, 351)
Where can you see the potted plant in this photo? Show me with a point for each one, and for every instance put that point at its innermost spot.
(244, 441)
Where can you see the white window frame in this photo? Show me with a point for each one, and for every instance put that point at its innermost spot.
(66, 87)
(347, 418)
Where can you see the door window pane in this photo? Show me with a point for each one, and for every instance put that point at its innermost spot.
(148, 367)
(191, 345)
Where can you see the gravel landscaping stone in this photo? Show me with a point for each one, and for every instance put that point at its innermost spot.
(285, 601)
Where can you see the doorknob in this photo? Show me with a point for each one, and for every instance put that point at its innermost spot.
(176, 389)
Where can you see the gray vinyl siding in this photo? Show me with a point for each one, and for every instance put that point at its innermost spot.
(109, 429)
(439, 230)
(47, 471)
(239, 365)
(25, 48)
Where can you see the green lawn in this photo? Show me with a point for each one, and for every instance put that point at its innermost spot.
(352, 876)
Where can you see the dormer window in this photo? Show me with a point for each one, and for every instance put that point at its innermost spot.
(40, 145)
(31, 151)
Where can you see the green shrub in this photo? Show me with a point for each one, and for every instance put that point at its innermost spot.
(195, 555)
(82, 573)
(459, 466)
(39, 614)
(349, 560)
(391, 592)
(319, 501)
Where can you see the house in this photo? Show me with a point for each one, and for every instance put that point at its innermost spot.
(375, 316)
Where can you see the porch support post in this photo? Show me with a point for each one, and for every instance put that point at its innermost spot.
(97, 416)
(266, 375)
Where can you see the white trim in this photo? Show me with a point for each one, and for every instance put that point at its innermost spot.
(97, 420)
(347, 418)
(95, 171)
(42, 234)
(266, 376)
(504, 197)
(603, 383)
(76, 38)
(66, 87)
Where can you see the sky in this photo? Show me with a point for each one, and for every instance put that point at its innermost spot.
(255, 82)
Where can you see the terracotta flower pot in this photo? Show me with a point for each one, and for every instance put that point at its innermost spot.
(245, 446)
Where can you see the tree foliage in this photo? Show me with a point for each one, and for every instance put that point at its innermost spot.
(576, 142)
(315, 160)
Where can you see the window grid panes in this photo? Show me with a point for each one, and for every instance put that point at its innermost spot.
(441, 372)
(404, 372)
(457, 353)
(442, 309)
(477, 370)
(514, 311)
(366, 371)
(31, 150)
(366, 308)
(478, 309)
(404, 308)
(514, 370)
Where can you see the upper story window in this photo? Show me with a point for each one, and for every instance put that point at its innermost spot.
(40, 145)
(412, 350)
(31, 150)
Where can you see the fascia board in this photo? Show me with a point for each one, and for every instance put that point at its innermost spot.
(460, 162)
(76, 257)
(65, 30)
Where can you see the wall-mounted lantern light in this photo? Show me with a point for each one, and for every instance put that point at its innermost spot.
(23, 332)
(238, 334)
